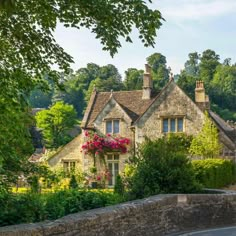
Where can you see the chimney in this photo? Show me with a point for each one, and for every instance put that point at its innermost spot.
(147, 83)
(201, 99)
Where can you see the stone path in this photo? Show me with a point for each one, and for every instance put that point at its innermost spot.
(228, 231)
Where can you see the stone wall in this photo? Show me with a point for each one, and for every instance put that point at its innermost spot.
(70, 152)
(157, 215)
(171, 103)
(111, 111)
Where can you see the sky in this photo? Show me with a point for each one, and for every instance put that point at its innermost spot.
(189, 26)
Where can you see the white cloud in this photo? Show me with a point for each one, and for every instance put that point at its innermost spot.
(195, 9)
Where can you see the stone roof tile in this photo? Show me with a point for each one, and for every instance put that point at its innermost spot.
(130, 101)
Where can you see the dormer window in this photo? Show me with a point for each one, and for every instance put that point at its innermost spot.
(112, 126)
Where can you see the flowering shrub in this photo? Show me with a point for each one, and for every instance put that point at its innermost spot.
(102, 177)
(97, 145)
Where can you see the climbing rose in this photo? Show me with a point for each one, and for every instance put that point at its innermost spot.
(96, 144)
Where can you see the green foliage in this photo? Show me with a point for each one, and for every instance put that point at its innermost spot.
(226, 114)
(28, 207)
(73, 183)
(29, 52)
(209, 61)
(108, 78)
(55, 122)
(160, 72)
(119, 187)
(219, 81)
(34, 183)
(214, 173)
(27, 31)
(224, 85)
(162, 168)
(133, 79)
(16, 145)
(206, 143)
(179, 142)
(19, 208)
(61, 178)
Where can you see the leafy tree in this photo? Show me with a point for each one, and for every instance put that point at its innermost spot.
(188, 76)
(72, 93)
(108, 79)
(16, 145)
(206, 143)
(29, 50)
(209, 60)
(159, 68)
(40, 99)
(133, 79)
(187, 83)
(55, 123)
(224, 85)
(27, 43)
(191, 66)
(219, 80)
(162, 167)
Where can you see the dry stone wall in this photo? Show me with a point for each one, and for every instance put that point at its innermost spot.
(157, 215)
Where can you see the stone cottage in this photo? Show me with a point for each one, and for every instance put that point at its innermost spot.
(141, 113)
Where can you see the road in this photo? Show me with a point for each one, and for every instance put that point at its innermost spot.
(229, 231)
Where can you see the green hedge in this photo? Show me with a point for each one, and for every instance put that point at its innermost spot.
(32, 207)
(214, 173)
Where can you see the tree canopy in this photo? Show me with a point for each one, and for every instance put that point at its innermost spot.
(27, 43)
(160, 72)
(219, 81)
(55, 122)
(206, 143)
(28, 50)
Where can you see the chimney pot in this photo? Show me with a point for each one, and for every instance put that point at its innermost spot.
(147, 83)
(201, 99)
(147, 69)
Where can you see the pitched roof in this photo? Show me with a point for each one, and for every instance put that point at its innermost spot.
(135, 107)
(130, 101)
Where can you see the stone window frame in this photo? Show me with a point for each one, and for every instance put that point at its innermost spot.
(71, 166)
(112, 120)
(176, 123)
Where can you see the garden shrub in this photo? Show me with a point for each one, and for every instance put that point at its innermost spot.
(73, 182)
(119, 187)
(19, 208)
(162, 168)
(214, 173)
(33, 207)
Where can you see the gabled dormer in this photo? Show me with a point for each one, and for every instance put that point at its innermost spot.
(112, 119)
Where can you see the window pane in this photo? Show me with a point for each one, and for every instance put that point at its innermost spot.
(116, 126)
(172, 125)
(116, 157)
(109, 127)
(111, 176)
(66, 166)
(109, 157)
(165, 125)
(72, 166)
(180, 124)
(116, 170)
